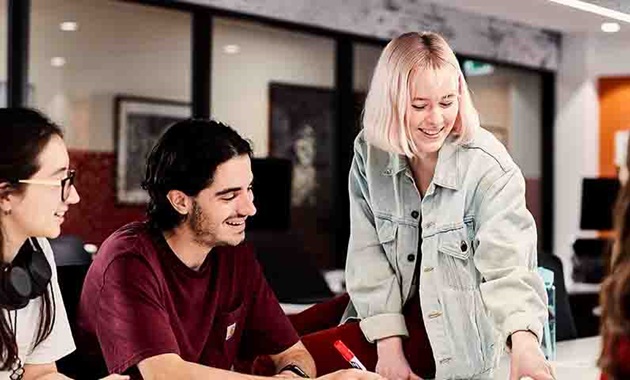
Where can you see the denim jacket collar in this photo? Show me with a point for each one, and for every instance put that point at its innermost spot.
(447, 173)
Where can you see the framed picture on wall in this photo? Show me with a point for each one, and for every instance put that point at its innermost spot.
(139, 123)
(301, 130)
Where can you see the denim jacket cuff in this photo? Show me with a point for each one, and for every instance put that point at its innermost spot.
(523, 322)
(383, 326)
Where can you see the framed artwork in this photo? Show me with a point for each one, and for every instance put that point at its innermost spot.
(139, 123)
(300, 130)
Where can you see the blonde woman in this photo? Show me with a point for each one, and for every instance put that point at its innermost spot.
(438, 220)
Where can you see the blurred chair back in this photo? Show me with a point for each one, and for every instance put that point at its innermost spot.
(73, 262)
(565, 325)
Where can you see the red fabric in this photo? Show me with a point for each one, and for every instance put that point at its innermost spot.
(139, 300)
(417, 347)
(622, 357)
(98, 214)
(325, 317)
(533, 190)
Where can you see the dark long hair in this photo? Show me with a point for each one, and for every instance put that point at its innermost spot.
(185, 158)
(615, 290)
(25, 133)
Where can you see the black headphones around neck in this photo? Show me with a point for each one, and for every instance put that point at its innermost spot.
(25, 278)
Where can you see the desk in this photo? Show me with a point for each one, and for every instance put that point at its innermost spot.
(575, 360)
(295, 308)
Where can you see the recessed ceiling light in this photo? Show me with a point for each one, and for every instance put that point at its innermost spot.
(610, 27)
(231, 49)
(57, 61)
(588, 7)
(69, 26)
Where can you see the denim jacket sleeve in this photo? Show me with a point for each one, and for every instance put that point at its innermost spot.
(505, 255)
(370, 280)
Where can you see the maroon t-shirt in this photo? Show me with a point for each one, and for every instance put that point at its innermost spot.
(139, 300)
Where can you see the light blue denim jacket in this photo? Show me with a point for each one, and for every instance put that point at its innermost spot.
(478, 279)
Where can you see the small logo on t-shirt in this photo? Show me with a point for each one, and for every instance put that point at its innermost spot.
(230, 331)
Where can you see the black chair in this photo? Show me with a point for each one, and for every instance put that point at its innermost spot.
(73, 262)
(565, 325)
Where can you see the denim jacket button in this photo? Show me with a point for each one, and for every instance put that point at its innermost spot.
(464, 246)
(411, 257)
(415, 214)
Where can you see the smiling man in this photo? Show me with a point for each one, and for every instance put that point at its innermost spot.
(179, 296)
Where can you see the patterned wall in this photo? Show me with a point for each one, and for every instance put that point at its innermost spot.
(97, 215)
(468, 33)
(617, 5)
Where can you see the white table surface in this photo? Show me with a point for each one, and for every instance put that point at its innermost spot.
(575, 360)
(294, 308)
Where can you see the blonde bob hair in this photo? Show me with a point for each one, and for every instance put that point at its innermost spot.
(384, 116)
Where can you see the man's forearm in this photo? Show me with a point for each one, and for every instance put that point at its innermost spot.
(298, 355)
(171, 366)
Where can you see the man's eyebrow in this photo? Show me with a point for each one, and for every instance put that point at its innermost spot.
(228, 190)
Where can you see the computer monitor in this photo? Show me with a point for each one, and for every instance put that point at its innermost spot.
(598, 201)
(272, 194)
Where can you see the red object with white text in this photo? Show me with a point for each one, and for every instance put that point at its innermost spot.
(349, 356)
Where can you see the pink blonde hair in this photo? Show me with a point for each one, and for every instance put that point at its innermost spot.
(387, 100)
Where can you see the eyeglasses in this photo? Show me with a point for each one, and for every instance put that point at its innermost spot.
(65, 183)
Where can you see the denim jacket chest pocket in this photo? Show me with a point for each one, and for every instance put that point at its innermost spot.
(456, 257)
(387, 231)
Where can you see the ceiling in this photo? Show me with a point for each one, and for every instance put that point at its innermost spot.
(538, 13)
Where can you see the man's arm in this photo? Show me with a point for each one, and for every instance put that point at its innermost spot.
(172, 366)
(49, 372)
(298, 355)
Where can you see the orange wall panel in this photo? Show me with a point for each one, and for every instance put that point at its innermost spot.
(614, 115)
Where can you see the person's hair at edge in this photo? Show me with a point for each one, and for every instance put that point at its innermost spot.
(185, 158)
(615, 290)
(384, 117)
(25, 133)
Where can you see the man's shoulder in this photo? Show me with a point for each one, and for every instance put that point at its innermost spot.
(133, 239)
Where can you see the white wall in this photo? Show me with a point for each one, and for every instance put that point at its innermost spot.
(584, 60)
(511, 98)
(526, 139)
(240, 82)
(119, 49)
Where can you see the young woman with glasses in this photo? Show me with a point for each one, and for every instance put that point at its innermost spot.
(36, 189)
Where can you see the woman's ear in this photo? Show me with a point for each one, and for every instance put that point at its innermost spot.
(181, 202)
(5, 200)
